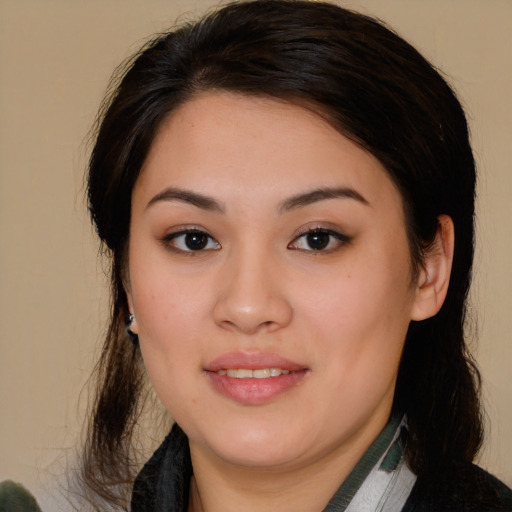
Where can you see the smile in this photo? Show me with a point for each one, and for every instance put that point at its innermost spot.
(254, 378)
(247, 373)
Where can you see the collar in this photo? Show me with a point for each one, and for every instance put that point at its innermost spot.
(381, 481)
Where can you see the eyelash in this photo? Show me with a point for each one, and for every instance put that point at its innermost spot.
(339, 237)
(169, 241)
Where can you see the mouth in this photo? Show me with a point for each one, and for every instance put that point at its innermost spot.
(254, 378)
(247, 373)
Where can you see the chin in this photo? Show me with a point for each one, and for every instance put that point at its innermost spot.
(256, 447)
(260, 457)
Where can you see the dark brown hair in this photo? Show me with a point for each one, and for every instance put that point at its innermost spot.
(374, 88)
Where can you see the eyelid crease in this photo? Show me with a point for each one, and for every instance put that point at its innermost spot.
(183, 230)
(320, 228)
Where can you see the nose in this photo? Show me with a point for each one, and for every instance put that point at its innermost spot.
(252, 295)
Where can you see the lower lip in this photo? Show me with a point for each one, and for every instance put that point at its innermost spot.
(255, 391)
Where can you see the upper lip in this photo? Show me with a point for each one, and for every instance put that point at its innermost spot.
(253, 361)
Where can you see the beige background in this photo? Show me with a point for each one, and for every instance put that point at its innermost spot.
(55, 61)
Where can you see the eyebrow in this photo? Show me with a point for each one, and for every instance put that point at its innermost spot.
(321, 194)
(186, 196)
(298, 201)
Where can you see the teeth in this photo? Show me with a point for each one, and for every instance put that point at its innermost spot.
(240, 374)
(245, 373)
(261, 374)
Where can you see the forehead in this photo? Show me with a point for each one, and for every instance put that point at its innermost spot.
(226, 143)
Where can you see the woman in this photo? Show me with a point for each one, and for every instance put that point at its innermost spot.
(287, 193)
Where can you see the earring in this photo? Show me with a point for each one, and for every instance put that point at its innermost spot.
(129, 320)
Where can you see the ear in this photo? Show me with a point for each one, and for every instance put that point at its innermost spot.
(434, 276)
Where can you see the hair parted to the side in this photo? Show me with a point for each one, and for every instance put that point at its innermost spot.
(374, 88)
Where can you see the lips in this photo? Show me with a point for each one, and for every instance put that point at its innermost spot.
(253, 378)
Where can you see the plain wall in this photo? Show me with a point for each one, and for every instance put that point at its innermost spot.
(56, 58)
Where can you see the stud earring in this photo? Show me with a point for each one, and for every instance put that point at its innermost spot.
(129, 321)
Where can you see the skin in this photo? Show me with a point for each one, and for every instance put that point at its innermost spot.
(341, 312)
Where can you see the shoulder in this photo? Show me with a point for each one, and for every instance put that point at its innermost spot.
(460, 488)
(15, 498)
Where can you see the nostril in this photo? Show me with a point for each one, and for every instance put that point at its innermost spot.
(250, 319)
(249, 299)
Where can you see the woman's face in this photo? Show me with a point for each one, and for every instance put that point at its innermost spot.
(270, 278)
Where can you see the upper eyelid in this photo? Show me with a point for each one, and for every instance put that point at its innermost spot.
(182, 230)
(332, 230)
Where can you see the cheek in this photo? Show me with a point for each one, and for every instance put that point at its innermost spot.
(165, 300)
(359, 301)
(171, 315)
(169, 310)
(360, 315)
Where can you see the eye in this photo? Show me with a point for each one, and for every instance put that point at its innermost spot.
(318, 239)
(192, 240)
